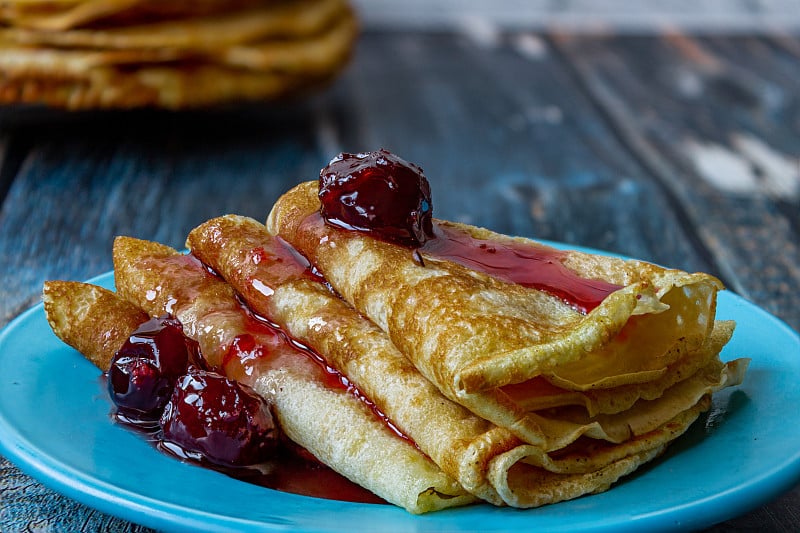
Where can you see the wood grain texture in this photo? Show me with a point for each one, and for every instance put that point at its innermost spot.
(151, 176)
(681, 150)
(25, 505)
(718, 137)
(508, 142)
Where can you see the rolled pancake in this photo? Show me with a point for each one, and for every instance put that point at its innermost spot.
(97, 321)
(328, 421)
(268, 276)
(91, 319)
(471, 334)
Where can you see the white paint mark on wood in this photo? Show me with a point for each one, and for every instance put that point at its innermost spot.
(780, 173)
(480, 30)
(689, 83)
(722, 168)
(749, 166)
(530, 46)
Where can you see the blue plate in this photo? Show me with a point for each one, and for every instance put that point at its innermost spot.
(55, 425)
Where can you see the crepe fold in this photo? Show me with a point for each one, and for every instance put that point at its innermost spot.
(486, 343)
(327, 420)
(484, 458)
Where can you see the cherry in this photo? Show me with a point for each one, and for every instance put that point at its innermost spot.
(144, 370)
(214, 418)
(380, 193)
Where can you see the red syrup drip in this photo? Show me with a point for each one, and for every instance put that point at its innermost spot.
(261, 349)
(279, 262)
(330, 376)
(528, 265)
(292, 469)
(282, 263)
(381, 194)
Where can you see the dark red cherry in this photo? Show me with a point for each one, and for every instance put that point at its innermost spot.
(220, 420)
(380, 193)
(144, 370)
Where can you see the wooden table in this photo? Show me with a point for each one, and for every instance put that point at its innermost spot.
(677, 149)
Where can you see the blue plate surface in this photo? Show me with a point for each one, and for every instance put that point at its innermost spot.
(55, 425)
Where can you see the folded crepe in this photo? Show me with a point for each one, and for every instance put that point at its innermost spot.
(486, 342)
(319, 414)
(277, 284)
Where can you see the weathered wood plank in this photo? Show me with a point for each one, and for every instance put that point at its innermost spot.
(28, 506)
(722, 138)
(12, 152)
(508, 141)
(154, 177)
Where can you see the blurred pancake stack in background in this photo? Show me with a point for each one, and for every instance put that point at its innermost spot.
(88, 54)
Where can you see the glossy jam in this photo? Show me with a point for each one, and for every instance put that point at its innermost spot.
(300, 474)
(144, 370)
(381, 194)
(377, 192)
(528, 265)
(290, 469)
(278, 262)
(257, 346)
(280, 465)
(255, 352)
(264, 344)
(218, 419)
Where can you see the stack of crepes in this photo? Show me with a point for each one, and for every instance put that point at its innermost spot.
(85, 54)
(467, 387)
